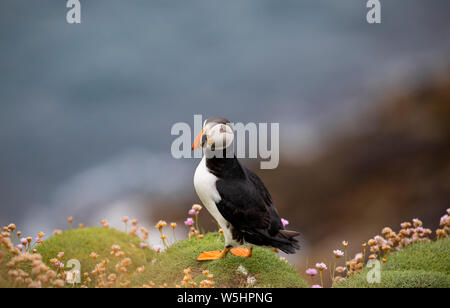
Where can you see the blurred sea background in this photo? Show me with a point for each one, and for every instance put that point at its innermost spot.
(86, 110)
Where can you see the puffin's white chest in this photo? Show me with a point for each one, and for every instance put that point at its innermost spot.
(205, 186)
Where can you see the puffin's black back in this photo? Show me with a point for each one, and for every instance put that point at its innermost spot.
(248, 206)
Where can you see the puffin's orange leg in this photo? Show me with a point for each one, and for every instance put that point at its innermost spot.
(213, 255)
(242, 252)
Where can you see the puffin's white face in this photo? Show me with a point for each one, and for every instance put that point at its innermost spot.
(214, 136)
(218, 136)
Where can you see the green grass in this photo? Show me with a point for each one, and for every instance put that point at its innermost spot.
(167, 267)
(421, 265)
(79, 243)
(264, 265)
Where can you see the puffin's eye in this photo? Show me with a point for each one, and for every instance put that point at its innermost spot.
(204, 140)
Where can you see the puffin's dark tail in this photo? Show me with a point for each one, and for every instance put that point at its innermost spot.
(284, 240)
(292, 244)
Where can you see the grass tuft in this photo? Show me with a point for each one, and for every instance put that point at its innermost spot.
(420, 265)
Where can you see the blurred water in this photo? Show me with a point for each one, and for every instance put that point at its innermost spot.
(77, 98)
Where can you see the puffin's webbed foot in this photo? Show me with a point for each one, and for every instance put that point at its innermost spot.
(213, 255)
(242, 252)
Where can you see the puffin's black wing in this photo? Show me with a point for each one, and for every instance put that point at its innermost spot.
(248, 206)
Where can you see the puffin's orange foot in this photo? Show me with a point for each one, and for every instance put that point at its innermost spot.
(242, 252)
(212, 255)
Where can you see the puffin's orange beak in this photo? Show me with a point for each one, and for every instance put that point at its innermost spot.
(198, 140)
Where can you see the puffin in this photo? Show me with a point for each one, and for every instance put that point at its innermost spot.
(236, 197)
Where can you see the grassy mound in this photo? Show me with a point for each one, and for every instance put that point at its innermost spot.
(167, 267)
(421, 265)
(80, 243)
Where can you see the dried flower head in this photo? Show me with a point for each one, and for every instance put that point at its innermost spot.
(197, 207)
(386, 231)
(359, 257)
(386, 248)
(115, 248)
(161, 224)
(340, 269)
(417, 222)
(405, 225)
(140, 269)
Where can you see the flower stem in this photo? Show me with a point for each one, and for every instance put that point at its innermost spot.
(364, 255)
(174, 237)
(334, 270)
(345, 250)
(321, 278)
(162, 238)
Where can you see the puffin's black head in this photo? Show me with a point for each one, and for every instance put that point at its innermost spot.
(216, 134)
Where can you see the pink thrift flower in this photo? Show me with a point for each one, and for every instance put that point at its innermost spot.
(143, 245)
(321, 266)
(23, 241)
(316, 286)
(443, 220)
(20, 247)
(192, 212)
(284, 222)
(311, 272)
(189, 222)
(338, 253)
